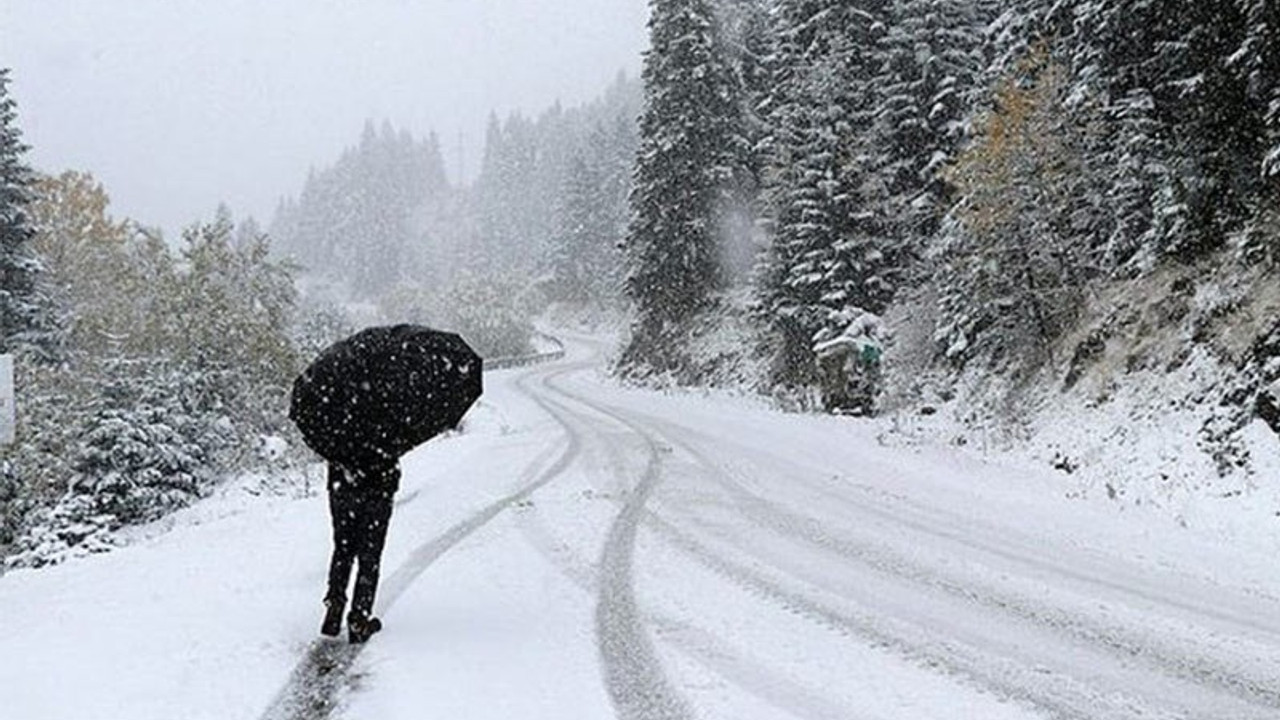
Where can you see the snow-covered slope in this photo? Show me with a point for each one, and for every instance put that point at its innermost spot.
(1148, 403)
(588, 551)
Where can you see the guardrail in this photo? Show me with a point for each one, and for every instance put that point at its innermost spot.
(514, 361)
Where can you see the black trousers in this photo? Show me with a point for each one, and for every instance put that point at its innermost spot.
(360, 503)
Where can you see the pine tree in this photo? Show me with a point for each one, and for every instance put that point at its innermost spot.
(751, 51)
(686, 169)
(1259, 60)
(584, 258)
(360, 221)
(931, 59)
(617, 144)
(584, 230)
(1171, 71)
(21, 321)
(234, 306)
(826, 252)
(515, 194)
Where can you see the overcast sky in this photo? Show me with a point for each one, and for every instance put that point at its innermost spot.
(176, 105)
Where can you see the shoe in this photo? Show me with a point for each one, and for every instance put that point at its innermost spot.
(332, 624)
(359, 630)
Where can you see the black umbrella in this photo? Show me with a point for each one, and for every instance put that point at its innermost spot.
(382, 392)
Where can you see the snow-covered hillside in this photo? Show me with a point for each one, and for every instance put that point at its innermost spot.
(585, 551)
(1149, 404)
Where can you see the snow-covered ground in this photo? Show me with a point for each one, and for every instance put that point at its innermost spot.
(588, 551)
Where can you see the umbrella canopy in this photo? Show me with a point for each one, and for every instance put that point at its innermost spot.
(376, 395)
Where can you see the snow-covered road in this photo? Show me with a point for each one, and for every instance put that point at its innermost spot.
(587, 551)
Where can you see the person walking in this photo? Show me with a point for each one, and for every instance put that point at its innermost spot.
(360, 502)
(363, 403)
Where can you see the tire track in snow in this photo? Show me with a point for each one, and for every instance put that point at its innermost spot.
(988, 672)
(314, 685)
(702, 647)
(1071, 699)
(1150, 649)
(634, 677)
(860, 627)
(939, 524)
(936, 656)
(425, 555)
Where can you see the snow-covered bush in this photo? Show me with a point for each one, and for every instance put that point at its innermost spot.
(149, 446)
(176, 367)
(9, 497)
(37, 466)
(123, 444)
(68, 529)
(137, 466)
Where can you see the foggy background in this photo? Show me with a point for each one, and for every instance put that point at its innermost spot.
(178, 105)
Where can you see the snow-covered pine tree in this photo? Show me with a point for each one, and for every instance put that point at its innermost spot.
(1174, 73)
(686, 168)
(514, 195)
(931, 61)
(23, 317)
(1258, 60)
(385, 194)
(1129, 141)
(359, 221)
(617, 143)
(583, 231)
(826, 252)
(558, 138)
(1210, 101)
(235, 306)
(585, 259)
(752, 49)
(1264, 74)
(17, 278)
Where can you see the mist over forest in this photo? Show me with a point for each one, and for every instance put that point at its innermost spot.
(383, 225)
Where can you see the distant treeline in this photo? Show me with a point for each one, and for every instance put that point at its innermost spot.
(549, 205)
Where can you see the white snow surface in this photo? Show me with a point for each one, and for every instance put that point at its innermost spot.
(583, 550)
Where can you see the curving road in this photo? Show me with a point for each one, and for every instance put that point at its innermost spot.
(698, 558)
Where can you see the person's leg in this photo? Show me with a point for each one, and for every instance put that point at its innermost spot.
(376, 515)
(343, 510)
